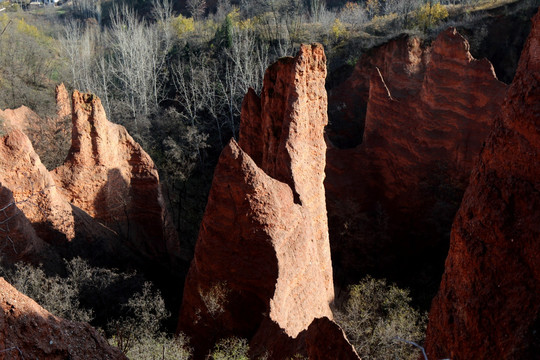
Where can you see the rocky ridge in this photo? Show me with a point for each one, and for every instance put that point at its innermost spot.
(488, 302)
(105, 196)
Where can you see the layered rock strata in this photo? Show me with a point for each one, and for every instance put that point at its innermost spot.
(262, 260)
(391, 199)
(488, 304)
(27, 331)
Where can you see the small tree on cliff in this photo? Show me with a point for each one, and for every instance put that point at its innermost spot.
(375, 315)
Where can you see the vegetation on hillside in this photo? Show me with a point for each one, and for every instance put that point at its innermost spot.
(176, 81)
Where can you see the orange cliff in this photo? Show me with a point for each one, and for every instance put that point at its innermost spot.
(262, 267)
(391, 199)
(27, 331)
(488, 304)
(104, 203)
(109, 176)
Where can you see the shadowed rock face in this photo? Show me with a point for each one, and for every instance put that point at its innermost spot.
(391, 199)
(489, 299)
(27, 331)
(262, 261)
(103, 204)
(109, 176)
(18, 239)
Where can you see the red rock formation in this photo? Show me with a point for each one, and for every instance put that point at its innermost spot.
(63, 104)
(109, 176)
(488, 305)
(391, 199)
(262, 257)
(402, 62)
(27, 331)
(33, 187)
(323, 339)
(53, 218)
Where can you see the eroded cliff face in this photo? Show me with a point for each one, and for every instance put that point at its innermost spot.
(109, 176)
(392, 198)
(104, 203)
(262, 260)
(27, 331)
(63, 102)
(34, 189)
(489, 299)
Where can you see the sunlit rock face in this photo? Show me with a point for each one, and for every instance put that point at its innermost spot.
(109, 176)
(104, 203)
(262, 261)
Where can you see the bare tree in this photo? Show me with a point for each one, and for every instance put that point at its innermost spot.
(354, 15)
(85, 51)
(316, 8)
(196, 8)
(139, 62)
(244, 66)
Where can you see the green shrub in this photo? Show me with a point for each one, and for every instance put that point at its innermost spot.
(58, 295)
(141, 323)
(232, 348)
(376, 315)
(430, 15)
(160, 347)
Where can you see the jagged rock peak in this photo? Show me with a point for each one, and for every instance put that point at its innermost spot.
(488, 304)
(63, 104)
(33, 187)
(108, 175)
(288, 119)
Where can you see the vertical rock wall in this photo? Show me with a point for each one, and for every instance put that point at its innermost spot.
(392, 198)
(488, 304)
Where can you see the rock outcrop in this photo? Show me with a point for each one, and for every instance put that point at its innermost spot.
(27, 331)
(63, 103)
(262, 260)
(66, 229)
(109, 176)
(392, 198)
(488, 305)
(104, 199)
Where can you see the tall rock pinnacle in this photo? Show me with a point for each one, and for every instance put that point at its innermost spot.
(263, 256)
